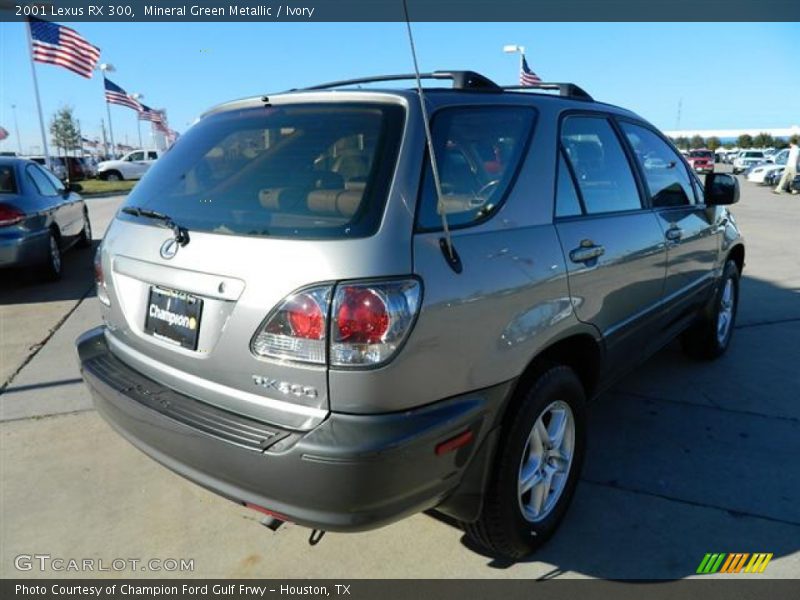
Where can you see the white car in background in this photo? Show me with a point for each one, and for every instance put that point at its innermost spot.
(777, 163)
(747, 158)
(133, 165)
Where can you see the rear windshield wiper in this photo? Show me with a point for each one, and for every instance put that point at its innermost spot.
(181, 233)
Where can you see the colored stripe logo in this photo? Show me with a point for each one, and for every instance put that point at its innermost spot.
(734, 562)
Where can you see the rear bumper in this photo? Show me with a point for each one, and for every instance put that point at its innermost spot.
(353, 472)
(23, 248)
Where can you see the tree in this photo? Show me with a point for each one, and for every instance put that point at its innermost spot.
(744, 141)
(795, 139)
(682, 142)
(64, 130)
(697, 141)
(713, 143)
(763, 140)
(780, 143)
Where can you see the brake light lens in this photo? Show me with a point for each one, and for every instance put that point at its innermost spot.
(10, 215)
(296, 329)
(371, 320)
(99, 277)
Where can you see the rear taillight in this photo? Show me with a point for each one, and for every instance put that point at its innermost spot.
(371, 321)
(10, 215)
(368, 322)
(99, 277)
(296, 329)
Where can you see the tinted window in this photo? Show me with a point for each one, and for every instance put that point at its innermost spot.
(41, 180)
(8, 182)
(152, 156)
(600, 166)
(319, 171)
(664, 172)
(478, 152)
(567, 202)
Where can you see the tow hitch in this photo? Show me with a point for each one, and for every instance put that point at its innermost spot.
(315, 537)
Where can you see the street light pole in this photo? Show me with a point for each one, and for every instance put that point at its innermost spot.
(16, 127)
(515, 49)
(103, 68)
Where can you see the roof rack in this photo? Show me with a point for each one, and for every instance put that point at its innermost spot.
(463, 80)
(569, 90)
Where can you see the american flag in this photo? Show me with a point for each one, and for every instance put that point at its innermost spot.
(55, 44)
(116, 95)
(526, 76)
(148, 114)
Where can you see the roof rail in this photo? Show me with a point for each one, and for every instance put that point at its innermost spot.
(569, 90)
(461, 80)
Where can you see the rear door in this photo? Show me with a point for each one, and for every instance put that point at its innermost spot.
(613, 244)
(691, 229)
(267, 216)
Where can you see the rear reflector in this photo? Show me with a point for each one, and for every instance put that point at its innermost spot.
(454, 443)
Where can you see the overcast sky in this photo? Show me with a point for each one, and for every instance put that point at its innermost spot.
(726, 75)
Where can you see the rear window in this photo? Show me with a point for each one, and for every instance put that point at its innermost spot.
(8, 182)
(701, 154)
(300, 171)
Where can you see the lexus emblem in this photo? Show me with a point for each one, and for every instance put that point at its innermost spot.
(169, 248)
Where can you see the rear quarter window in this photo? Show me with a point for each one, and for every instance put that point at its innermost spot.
(478, 153)
(8, 180)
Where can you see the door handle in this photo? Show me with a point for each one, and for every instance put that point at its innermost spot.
(588, 251)
(674, 234)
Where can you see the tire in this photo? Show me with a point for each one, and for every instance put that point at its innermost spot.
(113, 176)
(710, 337)
(51, 269)
(504, 527)
(85, 239)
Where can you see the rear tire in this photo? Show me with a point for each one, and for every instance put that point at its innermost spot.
(85, 239)
(710, 337)
(113, 176)
(535, 470)
(51, 270)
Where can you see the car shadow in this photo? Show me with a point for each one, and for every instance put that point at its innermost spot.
(24, 286)
(686, 458)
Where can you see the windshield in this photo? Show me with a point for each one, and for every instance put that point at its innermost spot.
(311, 171)
(701, 154)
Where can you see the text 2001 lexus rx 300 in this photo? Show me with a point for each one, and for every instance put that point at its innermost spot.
(288, 322)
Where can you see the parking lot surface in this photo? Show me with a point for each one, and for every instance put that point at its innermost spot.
(684, 458)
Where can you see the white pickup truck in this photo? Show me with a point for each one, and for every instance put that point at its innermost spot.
(131, 166)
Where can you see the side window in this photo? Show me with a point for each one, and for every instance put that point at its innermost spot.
(136, 156)
(567, 202)
(699, 191)
(664, 172)
(478, 152)
(602, 171)
(41, 181)
(152, 156)
(55, 181)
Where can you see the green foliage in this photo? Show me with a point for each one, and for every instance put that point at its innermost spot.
(713, 143)
(763, 140)
(744, 141)
(795, 139)
(64, 129)
(682, 142)
(697, 141)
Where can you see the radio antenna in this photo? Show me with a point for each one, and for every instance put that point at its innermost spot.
(429, 138)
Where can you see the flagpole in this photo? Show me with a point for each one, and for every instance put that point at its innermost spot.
(38, 100)
(108, 110)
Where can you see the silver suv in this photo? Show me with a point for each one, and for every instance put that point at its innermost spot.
(300, 316)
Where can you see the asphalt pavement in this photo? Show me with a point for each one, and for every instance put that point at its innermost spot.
(684, 458)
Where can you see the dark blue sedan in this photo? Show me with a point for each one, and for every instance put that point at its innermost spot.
(40, 218)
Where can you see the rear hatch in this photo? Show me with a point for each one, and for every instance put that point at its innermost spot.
(273, 198)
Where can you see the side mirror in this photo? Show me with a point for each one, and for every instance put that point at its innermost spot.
(75, 187)
(721, 189)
